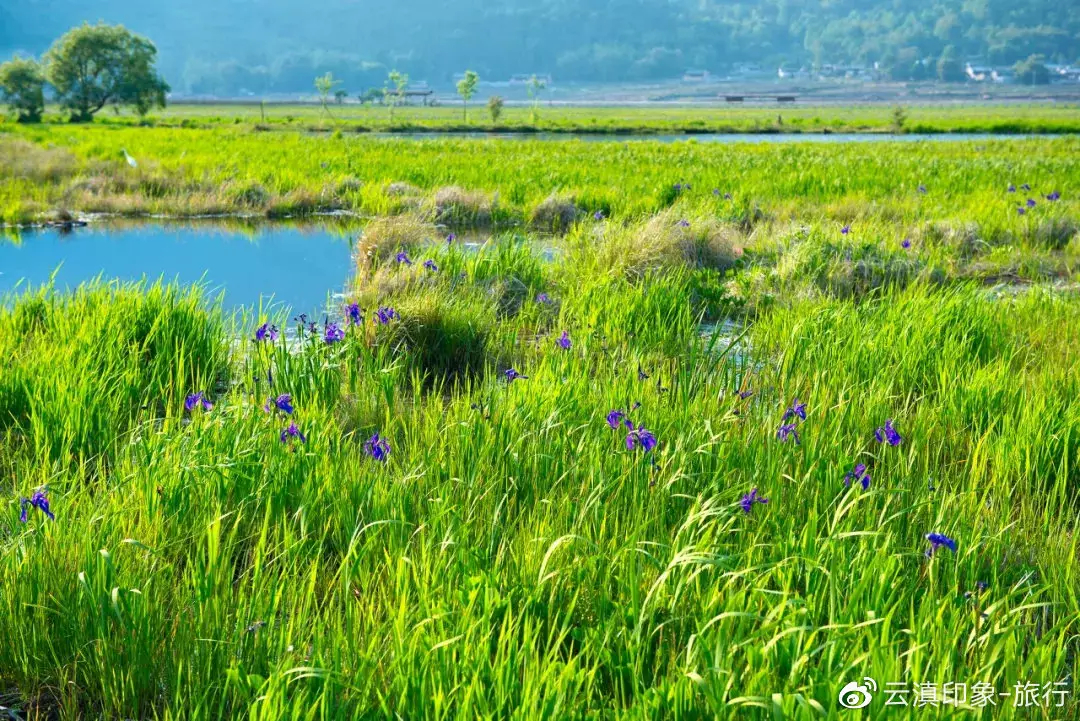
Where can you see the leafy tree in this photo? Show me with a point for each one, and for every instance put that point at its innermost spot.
(340, 95)
(93, 65)
(899, 118)
(495, 107)
(22, 84)
(374, 95)
(396, 83)
(466, 88)
(324, 84)
(949, 69)
(534, 87)
(1032, 71)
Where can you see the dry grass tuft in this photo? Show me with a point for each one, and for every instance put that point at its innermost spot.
(555, 213)
(457, 206)
(383, 237)
(28, 161)
(664, 241)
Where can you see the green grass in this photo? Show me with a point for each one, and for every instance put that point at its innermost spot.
(1013, 117)
(513, 559)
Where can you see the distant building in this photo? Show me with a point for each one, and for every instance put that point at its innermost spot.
(850, 72)
(1063, 73)
(696, 76)
(523, 78)
(789, 73)
(978, 73)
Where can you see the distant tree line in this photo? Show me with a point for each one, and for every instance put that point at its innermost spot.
(89, 68)
(572, 40)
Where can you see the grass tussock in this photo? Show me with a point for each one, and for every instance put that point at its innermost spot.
(383, 238)
(456, 206)
(444, 339)
(555, 213)
(1057, 233)
(668, 240)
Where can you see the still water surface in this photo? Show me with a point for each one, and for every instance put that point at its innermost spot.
(297, 269)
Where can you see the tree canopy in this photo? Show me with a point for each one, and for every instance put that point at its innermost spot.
(91, 66)
(22, 83)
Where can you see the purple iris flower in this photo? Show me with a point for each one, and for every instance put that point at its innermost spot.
(1030, 202)
(1011, 188)
(430, 265)
(684, 223)
(378, 448)
(512, 375)
(450, 238)
(403, 257)
(745, 394)
(353, 314)
(787, 430)
(716, 191)
(1021, 210)
(385, 314)
(266, 332)
(598, 215)
(795, 409)
(642, 375)
(906, 243)
(282, 403)
(38, 501)
(846, 229)
(858, 473)
(887, 433)
(747, 501)
(196, 400)
(639, 435)
(1025, 186)
(615, 419)
(292, 432)
(333, 334)
(543, 298)
(922, 189)
(564, 341)
(1054, 196)
(727, 196)
(937, 540)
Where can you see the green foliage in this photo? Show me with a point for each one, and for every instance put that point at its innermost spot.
(1032, 71)
(22, 84)
(949, 67)
(534, 88)
(324, 84)
(495, 107)
(466, 88)
(899, 118)
(394, 92)
(94, 65)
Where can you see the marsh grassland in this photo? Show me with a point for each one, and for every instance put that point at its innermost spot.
(1036, 116)
(519, 481)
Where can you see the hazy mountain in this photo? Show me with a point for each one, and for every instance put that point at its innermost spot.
(223, 46)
